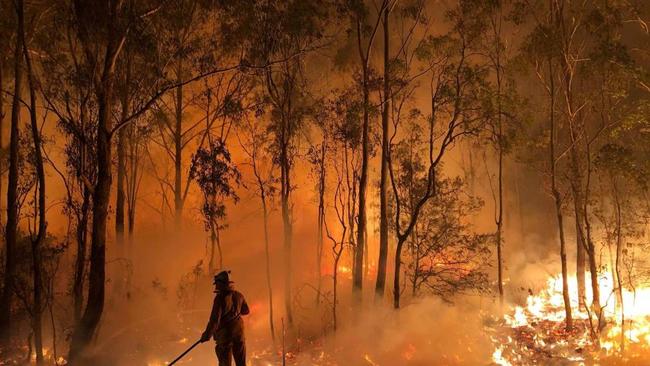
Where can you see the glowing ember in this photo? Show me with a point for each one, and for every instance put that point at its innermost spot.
(369, 360)
(409, 352)
(536, 333)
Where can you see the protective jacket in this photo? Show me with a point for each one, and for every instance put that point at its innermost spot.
(227, 327)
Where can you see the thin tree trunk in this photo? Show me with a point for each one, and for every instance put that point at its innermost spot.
(619, 257)
(499, 220)
(213, 244)
(335, 291)
(80, 261)
(364, 57)
(357, 284)
(286, 224)
(37, 242)
(86, 328)
(133, 184)
(178, 150)
(397, 275)
(121, 173)
(383, 182)
(121, 177)
(558, 203)
(267, 254)
(219, 246)
(2, 126)
(11, 232)
(321, 219)
(580, 254)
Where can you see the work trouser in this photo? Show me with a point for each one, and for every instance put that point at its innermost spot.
(231, 344)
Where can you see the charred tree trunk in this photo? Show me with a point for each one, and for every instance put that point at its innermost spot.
(11, 231)
(80, 260)
(85, 329)
(286, 220)
(37, 241)
(103, 54)
(357, 283)
(2, 124)
(558, 202)
(397, 275)
(121, 173)
(580, 254)
(383, 182)
(87, 326)
(121, 177)
(178, 151)
(499, 237)
(321, 219)
(617, 265)
(267, 256)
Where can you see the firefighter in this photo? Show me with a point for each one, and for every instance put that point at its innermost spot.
(226, 325)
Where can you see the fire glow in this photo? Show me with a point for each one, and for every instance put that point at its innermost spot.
(536, 332)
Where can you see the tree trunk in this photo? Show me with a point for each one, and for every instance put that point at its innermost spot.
(121, 173)
(335, 286)
(286, 222)
(500, 146)
(121, 177)
(321, 220)
(580, 253)
(619, 258)
(397, 276)
(558, 203)
(37, 242)
(178, 151)
(213, 244)
(565, 273)
(267, 254)
(80, 261)
(357, 284)
(2, 124)
(11, 231)
(85, 329)
(383, 183)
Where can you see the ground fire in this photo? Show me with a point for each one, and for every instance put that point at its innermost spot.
(536, 333)
(324, 182)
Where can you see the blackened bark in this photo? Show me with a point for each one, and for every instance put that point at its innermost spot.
(121, 169)
(357, 283)
(321, 220)
(558, 202)
(383, 183)
(580, 252)
(2, 124)
(80, 260)
(397, 274)
(267, 256)
(178, 150)
(85, 329)
(103, 53)
(37, 242)
(287, 225)
(11, 230)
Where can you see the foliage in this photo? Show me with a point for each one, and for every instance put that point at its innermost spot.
(216, 176)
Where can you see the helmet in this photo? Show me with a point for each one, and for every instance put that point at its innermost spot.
(222, 278)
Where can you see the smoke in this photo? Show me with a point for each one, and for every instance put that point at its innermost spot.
(428, 332)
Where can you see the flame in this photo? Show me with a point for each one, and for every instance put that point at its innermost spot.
(409, 352)
(538, 327)
(345, 269)
(369, 360)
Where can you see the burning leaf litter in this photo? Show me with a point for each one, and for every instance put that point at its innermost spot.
(536, 334)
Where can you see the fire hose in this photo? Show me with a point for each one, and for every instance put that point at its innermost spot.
(184, 353)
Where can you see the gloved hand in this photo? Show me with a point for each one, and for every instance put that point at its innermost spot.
(205, 337)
